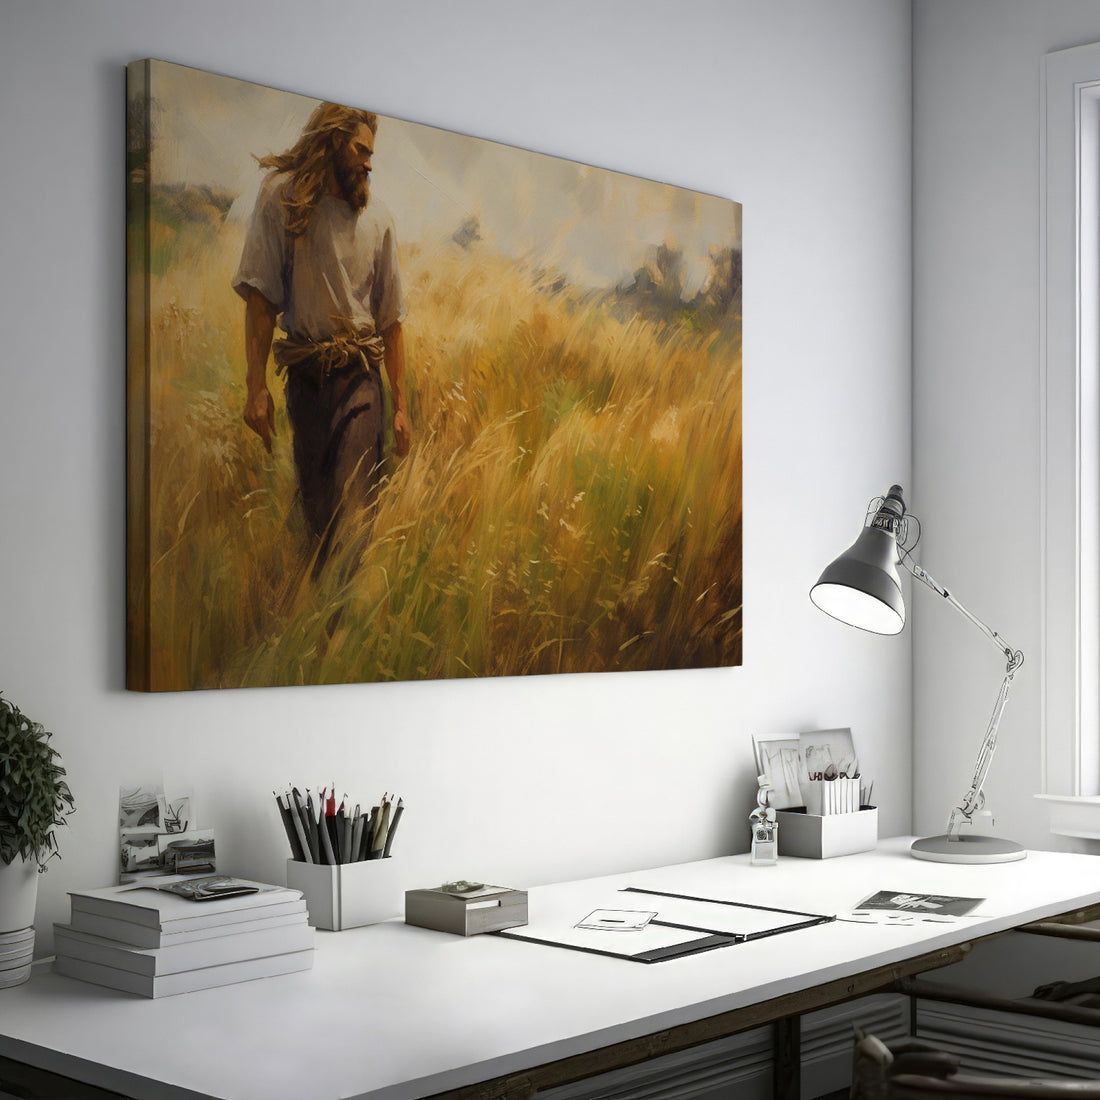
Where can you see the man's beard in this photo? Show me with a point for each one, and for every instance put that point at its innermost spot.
(354, 184)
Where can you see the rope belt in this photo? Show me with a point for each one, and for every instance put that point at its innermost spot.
(333, 353)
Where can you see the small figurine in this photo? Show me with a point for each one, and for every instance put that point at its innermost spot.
(765, 828)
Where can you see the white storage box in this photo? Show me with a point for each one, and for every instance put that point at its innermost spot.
(349, 894)
(820, 837)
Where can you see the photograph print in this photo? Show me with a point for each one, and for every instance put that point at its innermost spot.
(828, 754)
(405, 404)
(780, 762)
(140, 807)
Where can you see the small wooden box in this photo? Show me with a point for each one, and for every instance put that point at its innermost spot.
(821, 837)
(486, 910)
(348, 895)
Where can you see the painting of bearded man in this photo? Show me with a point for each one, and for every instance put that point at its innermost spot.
(323, 255)
(404, 404)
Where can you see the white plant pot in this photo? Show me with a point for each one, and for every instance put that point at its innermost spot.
(18, 894)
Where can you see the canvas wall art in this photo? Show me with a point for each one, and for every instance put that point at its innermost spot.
(406, 404)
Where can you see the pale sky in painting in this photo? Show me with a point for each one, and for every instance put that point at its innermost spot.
(594, 225)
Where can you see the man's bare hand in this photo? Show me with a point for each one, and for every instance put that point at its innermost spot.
(259, 415)
(402, 432)
(259, 327)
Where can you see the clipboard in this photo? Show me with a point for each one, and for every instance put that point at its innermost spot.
(685, 925)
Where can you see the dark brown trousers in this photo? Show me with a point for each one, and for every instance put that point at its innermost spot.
(337, 421)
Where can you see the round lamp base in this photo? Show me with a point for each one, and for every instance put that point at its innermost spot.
(967, 849)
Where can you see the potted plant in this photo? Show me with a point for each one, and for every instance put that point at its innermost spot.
(34, 800)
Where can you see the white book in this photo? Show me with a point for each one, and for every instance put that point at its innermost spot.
(144, 903)
(140, 935)
(184, 956)
(168, 985)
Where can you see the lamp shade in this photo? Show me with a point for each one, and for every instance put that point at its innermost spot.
(862, 587)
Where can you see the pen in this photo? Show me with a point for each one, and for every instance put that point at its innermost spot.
(305, 813)
(371, 831)
(325, 829)
(364, 851)
(288, 828)
(378, 842)
(316, 829)
(347, 852)
(339, 843)
(393, 827)
(335, 825)
(293, 828)
(356, 834)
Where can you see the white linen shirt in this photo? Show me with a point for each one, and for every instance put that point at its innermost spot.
(343, 275)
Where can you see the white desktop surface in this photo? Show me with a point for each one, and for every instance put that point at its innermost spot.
(392, 1011)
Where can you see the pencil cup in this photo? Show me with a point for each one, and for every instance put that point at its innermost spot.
(820, 836)
(349, 895)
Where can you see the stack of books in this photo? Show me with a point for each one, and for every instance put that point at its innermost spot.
(146, 939)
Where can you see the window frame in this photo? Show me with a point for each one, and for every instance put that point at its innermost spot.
(1070, 422)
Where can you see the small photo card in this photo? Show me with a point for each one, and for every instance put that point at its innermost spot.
(617, 920)
(895, 907)
(158, 834)
(177, 814)
(779, 760)
(139, 807)
(139, 851)
(210, 888)
(828, 754)
(187, 853)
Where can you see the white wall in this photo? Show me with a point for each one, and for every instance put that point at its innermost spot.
(800, 110)
(976, 411)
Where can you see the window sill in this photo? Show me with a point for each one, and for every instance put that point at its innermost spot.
(1073, 815)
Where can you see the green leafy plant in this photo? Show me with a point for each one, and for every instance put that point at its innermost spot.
(34, 796)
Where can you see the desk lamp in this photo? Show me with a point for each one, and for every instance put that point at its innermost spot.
(862, 588)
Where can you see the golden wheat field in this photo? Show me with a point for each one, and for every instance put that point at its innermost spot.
(571, 502)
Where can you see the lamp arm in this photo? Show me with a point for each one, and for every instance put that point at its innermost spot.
(974, 799)
(1013, 656)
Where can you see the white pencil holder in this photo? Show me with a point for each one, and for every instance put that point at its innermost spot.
(821, 836)
(349, 895)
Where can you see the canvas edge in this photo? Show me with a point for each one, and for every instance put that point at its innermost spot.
(138, 151)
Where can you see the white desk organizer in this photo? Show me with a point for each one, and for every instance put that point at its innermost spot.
(348, 895)
(816, 836)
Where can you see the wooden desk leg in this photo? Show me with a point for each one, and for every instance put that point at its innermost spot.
(787, 1058)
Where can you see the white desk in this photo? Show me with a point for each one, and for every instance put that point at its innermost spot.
(393, 1011)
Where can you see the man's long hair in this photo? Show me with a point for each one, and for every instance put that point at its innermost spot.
(308, 161)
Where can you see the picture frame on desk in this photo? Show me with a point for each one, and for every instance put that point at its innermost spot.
(778, 759)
